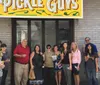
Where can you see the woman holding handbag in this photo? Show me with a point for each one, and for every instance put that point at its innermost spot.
(36, 63)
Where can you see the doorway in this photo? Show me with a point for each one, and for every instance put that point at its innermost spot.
(42, 32)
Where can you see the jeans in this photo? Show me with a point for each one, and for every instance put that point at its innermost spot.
(91, 74)
(5, 72)
(67, 74)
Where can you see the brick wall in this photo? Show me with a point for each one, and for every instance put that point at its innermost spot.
(90, 25)
(5, 32)
(5, 37)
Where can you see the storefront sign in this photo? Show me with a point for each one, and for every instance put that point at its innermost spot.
(41, 8)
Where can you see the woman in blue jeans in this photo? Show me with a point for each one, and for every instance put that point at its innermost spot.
(91, 65)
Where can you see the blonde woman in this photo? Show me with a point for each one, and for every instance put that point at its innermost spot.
(76, 60)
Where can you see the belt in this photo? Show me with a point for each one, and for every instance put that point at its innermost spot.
(21, 63)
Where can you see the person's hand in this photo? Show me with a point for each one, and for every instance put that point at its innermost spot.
(87, 58)
(2, 65)
(92, 58)
(23, 55)
(57, 64)
(8, 60)
(97, 70)
(70, 68)
(78, 67)
(32, 67)
(41, 53)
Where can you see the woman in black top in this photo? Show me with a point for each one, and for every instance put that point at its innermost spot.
(66, 62)
(6, 60)
(36, 62)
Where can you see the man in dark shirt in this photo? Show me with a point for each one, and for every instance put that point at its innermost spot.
(6, 60)
(87, 40)
(21, 54)
(91, 64)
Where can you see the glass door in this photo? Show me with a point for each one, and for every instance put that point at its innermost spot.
(64, 31)
(43, 32)
(50, 32)
(30, 30)
(21, 30)
(36, 33)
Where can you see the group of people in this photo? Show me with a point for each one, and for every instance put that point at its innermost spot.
(4, 63)
(57, 65)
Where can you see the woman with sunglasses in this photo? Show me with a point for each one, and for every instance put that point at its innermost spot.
(49, 74)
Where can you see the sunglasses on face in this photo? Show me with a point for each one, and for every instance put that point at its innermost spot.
(86, 40)
(48, 48)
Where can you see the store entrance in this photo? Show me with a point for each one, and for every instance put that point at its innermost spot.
(42, 32)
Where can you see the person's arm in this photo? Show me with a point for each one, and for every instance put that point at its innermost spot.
(8, 58)
(83, 49)
(79, 59)
(16, 54)
(96, 62)
(44, 58)
(2, 65)
(62, 56)
(60, 60)
(70, 61)
(31, 57)
(95, 48)
(86, 58)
